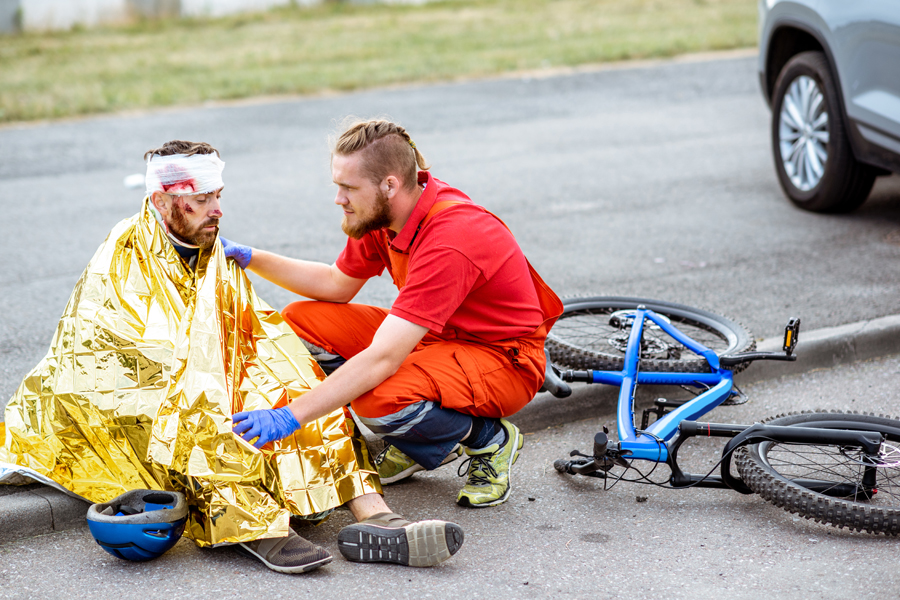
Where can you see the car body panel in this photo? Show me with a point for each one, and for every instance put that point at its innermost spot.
(861, 39)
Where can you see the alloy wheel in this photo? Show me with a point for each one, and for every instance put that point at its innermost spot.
(803, 133)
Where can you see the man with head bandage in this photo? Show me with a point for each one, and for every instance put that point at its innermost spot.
(461, 347)
(162, 341)
(184, 183)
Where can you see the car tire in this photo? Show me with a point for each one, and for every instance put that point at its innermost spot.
(813, 158)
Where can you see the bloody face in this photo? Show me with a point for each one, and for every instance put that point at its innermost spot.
(195, 219)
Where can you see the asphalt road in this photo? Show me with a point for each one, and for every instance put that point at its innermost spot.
(557, 536)
(654, 181)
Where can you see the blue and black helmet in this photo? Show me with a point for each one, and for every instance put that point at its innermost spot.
(140, 524)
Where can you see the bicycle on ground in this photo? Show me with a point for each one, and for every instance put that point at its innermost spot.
(839, 468)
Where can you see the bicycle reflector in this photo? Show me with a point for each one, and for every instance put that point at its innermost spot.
(791, 333)
(140, 524)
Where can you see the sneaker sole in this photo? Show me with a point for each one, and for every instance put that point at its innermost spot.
(415, 468)
(421, 544)
(465, 502)
(290, 570)
(402, 474)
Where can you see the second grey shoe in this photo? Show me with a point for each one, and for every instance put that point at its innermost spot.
(290, 554)
(387, 537)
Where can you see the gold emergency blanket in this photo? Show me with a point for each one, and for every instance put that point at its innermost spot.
(148, 363)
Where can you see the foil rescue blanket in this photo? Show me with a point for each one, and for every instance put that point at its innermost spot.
(148, 364)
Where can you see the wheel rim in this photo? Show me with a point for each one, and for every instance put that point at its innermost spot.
(593, 330)
(803, 133)
(840, 465)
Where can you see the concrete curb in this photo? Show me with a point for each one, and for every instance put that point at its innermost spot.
(31, 510)
(36, 509)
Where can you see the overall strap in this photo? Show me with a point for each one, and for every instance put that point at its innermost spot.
(550, 303)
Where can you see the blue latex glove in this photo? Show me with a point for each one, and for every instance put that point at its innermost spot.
(240, 254)
(268, 425)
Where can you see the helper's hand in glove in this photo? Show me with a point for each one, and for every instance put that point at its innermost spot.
(240, 254)
(268, 425)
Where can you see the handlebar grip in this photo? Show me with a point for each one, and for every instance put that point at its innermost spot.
(601, 441)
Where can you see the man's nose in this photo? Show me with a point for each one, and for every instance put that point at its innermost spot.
(215, 209)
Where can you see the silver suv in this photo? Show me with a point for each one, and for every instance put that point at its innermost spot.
(830, 70)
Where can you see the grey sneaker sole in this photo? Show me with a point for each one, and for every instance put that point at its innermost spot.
(421, 544)
(245, 550)
(416, 467)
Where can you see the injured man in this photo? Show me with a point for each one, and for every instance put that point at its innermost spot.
(162, 342)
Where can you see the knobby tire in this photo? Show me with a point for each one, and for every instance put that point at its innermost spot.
(770, 468)
(583, 337)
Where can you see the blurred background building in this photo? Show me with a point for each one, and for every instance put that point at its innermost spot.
(41, 15)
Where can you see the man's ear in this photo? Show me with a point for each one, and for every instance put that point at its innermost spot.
(390, 185)
(161, 202)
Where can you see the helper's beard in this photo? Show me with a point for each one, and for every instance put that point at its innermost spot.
(379, 218)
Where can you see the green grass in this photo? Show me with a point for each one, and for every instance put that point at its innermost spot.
(338, 46)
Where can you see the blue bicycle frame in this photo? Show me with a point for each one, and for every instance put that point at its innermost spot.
(651, 444)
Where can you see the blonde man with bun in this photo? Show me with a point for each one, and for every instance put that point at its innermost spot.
(459, 350)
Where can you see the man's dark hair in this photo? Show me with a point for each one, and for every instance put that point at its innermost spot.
(181, 147)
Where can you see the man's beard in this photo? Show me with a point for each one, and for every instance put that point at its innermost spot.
(179, 226)
(380, 218)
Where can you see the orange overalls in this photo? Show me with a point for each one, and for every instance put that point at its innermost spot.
(456, 370)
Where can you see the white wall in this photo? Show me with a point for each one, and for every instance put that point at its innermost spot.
(218, 8)
(63, 14)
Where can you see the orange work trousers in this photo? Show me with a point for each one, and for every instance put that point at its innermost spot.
(479, 379)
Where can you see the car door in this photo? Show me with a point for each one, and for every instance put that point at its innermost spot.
(866, 48)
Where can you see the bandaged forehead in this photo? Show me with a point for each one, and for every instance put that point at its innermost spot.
(180, 174)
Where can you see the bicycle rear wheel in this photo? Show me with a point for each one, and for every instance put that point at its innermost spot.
(773, 470)
(591, 334)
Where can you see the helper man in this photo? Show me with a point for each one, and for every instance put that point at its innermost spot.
(185, 187)
(461, 347)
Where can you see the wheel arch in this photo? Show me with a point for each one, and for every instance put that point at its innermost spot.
(789, 39)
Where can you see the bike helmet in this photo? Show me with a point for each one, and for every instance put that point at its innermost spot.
(140, 524)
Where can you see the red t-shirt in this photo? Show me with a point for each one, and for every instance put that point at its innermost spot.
(467, 276)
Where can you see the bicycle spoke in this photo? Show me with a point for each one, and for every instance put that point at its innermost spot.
(586, 330)
(840, 466)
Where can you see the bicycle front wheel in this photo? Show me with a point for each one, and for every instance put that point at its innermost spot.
(777, 472)
(592, 333)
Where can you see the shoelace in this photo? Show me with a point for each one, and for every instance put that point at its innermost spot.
(381, 455)
(475, 464)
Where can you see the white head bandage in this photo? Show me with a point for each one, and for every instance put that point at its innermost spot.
(184, 175)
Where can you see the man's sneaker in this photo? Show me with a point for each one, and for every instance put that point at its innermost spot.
(291, 554)
(387, 537)
(488, 476)
(393, 465)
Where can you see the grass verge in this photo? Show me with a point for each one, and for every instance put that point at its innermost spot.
(337, 46)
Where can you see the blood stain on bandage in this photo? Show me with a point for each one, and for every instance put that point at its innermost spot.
(175, 180)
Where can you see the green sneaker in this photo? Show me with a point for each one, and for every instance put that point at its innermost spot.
(488, 477)
(393, 465)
